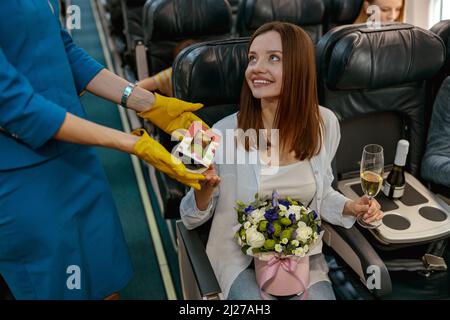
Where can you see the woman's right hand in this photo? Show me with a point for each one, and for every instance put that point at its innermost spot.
(204, 195)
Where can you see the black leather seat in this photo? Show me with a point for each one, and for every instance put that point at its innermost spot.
(341, 12)
(167, 22)
(131, 11)
(375, 82)
(308, 14)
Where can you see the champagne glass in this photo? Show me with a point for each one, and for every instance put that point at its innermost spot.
(371, 172)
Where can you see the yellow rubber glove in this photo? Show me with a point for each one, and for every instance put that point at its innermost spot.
(155, 154)
(170, 114)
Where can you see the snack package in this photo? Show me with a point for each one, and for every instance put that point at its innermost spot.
(198, 147)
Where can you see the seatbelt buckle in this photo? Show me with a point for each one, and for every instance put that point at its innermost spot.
(433, 262)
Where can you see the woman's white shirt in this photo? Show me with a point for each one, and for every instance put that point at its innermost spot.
(241, 182)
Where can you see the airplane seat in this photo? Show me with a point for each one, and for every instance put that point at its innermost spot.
(341, 12)
(131, 15)
(374, 80)
(213, 72)
(307, 14)
(116, 18)
(199, 75)
(168, 22)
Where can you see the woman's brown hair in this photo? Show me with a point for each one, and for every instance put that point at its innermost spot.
(362, 18)
(297, 116)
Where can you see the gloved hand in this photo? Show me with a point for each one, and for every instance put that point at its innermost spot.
(170, 114)
(155, 154)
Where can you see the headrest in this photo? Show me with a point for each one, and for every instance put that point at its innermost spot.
(211, 72)
(181, 19)
(442, 29)
(344, 11)
(355, 57)
(254, 13)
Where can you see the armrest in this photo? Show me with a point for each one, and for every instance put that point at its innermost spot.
(197, 276)
(442, 191)
(357, 252)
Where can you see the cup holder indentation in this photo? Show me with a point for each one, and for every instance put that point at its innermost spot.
(433, 214)
(396, 222)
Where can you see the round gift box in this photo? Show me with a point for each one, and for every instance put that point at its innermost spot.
(284, 283)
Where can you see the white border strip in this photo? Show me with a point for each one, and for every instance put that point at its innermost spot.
(151, 220)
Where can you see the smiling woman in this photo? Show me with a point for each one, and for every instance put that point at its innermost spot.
(270, 82)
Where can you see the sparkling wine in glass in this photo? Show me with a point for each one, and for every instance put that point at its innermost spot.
(371, 173)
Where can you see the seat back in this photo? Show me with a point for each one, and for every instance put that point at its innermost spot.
(212, 73)
(132, 21)
(307, 14)
(168, 22)
(374, 80)
(341, 12)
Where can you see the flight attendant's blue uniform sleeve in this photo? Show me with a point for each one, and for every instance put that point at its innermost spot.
(84, 67)
(25, 114)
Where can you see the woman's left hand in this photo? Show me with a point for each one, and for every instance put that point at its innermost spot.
(368, 209)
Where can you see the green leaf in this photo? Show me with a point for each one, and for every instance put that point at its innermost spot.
(244, 249)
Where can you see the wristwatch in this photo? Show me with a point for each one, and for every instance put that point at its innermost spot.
(126, 94)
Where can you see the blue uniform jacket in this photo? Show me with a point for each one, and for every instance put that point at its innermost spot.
(42, 73)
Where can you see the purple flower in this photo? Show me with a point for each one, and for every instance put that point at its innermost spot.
(285, 203)
(318, 229)
(292, 217)
(270, 228)
(315, 215)
(249, 209)
(271, 215)
(275, 197)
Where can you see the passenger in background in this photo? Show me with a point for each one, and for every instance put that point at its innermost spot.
(162, 81)
(436, 162)
(279, 92)
(391, 10)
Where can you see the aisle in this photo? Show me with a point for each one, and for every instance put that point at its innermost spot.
(148, 282)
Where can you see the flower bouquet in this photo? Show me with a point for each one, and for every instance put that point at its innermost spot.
(278, 233)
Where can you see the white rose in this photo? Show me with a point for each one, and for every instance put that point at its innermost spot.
(284, 240)
(305, 248)
(278, 248)
(295, 243)
(255, 239)
(295, 208)
(301, 224)
(303, 233)
(256, 216)
(247, 225)
(282, 208)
